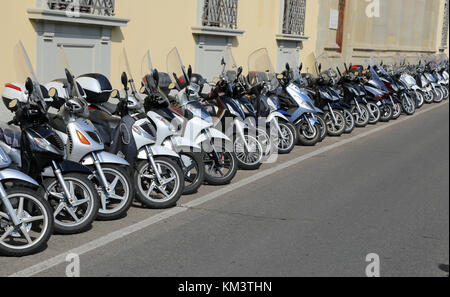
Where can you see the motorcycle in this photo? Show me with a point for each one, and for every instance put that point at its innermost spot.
(197, 123)
(85, 146)
(26, 218)
(158, 179)
(156, 106)
(41, 156)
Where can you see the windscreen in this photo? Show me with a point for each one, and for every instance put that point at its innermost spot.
(260, 67)
(65, 61)
(24, 69)
(175, 67)
(231, 65)
(375, 76)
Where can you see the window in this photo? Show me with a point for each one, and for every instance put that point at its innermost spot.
(98, 7)
(445, 27)
(294, 17)
(220, 13)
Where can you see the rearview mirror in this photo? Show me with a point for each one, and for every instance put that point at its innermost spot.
(301, 67)
(69, 77)
(156, 77)
(29, 85)
(190, 72)
(320, 68)
(124, 79)
(222, 62)
(288, 67)
(239, 71)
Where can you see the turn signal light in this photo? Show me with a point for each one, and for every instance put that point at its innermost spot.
(82, 138)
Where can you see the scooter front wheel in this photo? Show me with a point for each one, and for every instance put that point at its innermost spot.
(115, 201)
(386, 113)
(287, 137)
(335, 128)
(221, 165)
(36, 224)
(375, 113)
(194, 172)
(408, 106)
(249, 157)
(306, 137)
(349, 122)
(75, 216)
(159, 193)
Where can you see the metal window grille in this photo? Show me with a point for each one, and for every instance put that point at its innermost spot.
(98, 7)
(294, 17)
(220, 13)
(445, 26)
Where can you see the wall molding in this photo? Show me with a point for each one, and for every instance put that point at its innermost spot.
(40, 14)
(204, 30)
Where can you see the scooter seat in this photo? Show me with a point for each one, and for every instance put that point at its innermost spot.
(106, 107)
(11, 137)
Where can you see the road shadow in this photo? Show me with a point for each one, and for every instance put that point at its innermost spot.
(444, 268)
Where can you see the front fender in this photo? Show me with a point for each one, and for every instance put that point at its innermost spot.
(184, 143)
(72, 167)
(214, 133)
(10, 174)
(157, 151)
(274, 115)
(105, 158)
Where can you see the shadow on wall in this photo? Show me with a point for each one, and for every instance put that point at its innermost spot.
(117, 35)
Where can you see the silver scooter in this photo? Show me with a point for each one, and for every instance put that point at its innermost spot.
(26, 219)
(84, 145)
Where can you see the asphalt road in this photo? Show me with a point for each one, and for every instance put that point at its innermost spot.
(382, 190)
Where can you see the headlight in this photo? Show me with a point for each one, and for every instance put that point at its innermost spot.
(44, 145)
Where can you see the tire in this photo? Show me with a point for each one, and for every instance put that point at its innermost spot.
(214, 171)
(439, 96)
(429, 97)
(117, 205)
(62, 209)
(444, 90)
(34, 205)
(192, 181)
(397, 111)
(305, 137)
(248, 160)
(386, 113)
(349, 122)
(374, 112)
(420, 98)
(361, 119)
(287, 141)
(333, 130)
(323, 128)
(408, 105)
(147, 184)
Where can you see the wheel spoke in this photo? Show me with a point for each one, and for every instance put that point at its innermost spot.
(150, 190)
(116, 197)
(80, 202)
(25, 233)
(32, 219)
(60, 207)
(73, 214)
(4, 215)
(7, 233)
(20, 208)
(113, 185)
(161, 189)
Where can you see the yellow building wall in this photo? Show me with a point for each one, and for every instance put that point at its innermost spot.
(260, 20)
(155, 25)
(15, 26)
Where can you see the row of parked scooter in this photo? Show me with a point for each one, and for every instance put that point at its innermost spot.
(78, 150)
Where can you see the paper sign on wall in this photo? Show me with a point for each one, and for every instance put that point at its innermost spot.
(334, 19)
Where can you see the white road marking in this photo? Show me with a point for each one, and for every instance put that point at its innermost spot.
(104, 240)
